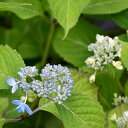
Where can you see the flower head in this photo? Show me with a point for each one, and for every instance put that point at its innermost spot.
(122, 122)
(22, 107)
(105, 51)
(12, 82)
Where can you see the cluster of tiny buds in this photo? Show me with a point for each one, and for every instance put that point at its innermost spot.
(122, 122)
(105, 51)
(118, 100)
(55, 82)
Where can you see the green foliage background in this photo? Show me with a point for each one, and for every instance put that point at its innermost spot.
(37, 32)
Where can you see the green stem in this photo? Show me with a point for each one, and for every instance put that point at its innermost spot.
(48, 44)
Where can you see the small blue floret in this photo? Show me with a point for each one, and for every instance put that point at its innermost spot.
(12, 82)
(22, 107)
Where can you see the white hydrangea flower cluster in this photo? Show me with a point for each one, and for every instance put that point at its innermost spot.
(122, 122)
(120, 100)
(55, 82)
(105, 51)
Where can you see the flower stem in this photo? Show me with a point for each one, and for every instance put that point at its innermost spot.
(48, 44)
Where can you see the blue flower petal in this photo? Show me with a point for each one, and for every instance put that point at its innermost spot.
(17, 102)
(14, 88)
(28, 110)
(22, 107)
(11, 81)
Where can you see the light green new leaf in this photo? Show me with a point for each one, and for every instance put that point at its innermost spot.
(67, 12)
(74, 48)
(121, 19)
(10, 64)
(23, 8)
(124, 53)
(105, 6)
(82, 84)
(79, 111)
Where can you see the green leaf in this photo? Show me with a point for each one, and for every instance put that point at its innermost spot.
(74, 48)
(23, 8)
(82, 84)
(124, 53)
(67, 12)
(121, 19)
(124, 37)
(109, 85)
(10, 64)
(105, 6)
(22, 37)
(79, 111)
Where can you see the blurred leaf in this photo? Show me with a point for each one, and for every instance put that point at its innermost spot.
(109, 85)
(10, 64)
(105, 6)
(121, 19)
(27, 37)
(124, 53)
(124, 37)
(23, 8)
(74, 48)
(82, 85)
(67, 12)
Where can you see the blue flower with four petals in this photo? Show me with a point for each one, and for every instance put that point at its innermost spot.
(22, 107)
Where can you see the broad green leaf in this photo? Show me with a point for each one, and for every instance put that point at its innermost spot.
(10, 64)
(105, 6)
(124, 53)
(79, 111)
(121, 19)
(22, 37)
(67, 12)
(109, 85)
(82, 84)
(74, 48)
(23, 8)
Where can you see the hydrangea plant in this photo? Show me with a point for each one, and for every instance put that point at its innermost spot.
(55, 83)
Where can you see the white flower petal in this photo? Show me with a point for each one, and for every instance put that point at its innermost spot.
(117, 64)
